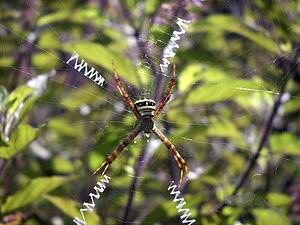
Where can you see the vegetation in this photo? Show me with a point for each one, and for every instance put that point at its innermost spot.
(233, 114)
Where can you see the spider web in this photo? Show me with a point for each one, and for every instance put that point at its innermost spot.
(98, 128)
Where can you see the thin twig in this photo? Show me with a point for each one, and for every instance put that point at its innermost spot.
(139, 168)
(141, 162)
(144, 156)
(288, 67)
(3, 166)
(160, 79)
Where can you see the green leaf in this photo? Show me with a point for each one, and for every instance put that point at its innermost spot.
(6, 61)
(167, 209)
(3, 94)
(21, 100)
(196, 72)
(151, 6)
(292, 106)
(17, 97)
(188, 77)
(20, 138)
(82, 15)
(268, 216)
(100, 55)
(220, 91)
(66, 128)
(3, 143)
(230, 24)
(62, 165)
(32, 192)
(41, 61)
(53, 17)
(71, 209)
(279, 199)
(48, 40)
(285, 143)
(87, 95)
(225, 129)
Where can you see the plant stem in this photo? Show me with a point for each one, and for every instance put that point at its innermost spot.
(144, 157)
(288, 67)
(139, 168)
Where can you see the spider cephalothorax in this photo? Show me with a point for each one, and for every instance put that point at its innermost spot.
(145, 111)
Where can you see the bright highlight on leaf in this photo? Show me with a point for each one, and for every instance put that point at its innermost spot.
(32, 192)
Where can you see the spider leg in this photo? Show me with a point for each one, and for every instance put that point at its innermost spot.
(126, 97)
(114, 154)
(167, 95)
(179, 160)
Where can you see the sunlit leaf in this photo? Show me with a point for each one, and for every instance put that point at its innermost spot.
(41, 61)
(269, 216)
(71, 208)
(49, 40)
(99, 55)
(279, 199)
(81, 16)
(88, 94)
(21, 100)
(189, 76)
(3, 94)
(198, 72)
(66, 128)
(220, 91)
(62, 166)
(285, 143)
(6, 61)
(32, 192)
(292, 106)
(225, 129)
(231, 24)
(17, 97)
(22, 136)
(167, 209)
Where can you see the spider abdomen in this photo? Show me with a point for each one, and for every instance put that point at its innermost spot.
(147, 124)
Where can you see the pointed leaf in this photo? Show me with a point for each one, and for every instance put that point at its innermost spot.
(225, 129)
(268, 216)
(285, 143)
(71, 208)
(32, 192)
(220, 91)
(100, 55)
(279, 199)
(20, 139)
(230, 24)
(21, 100)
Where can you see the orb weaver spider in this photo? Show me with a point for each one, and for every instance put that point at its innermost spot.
(145, 111)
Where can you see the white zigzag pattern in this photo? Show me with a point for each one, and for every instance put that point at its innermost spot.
(168, 51)
(91, 74)
(90, 206)
(186, 212)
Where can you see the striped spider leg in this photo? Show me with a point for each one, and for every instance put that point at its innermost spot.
(126, 97)
(145, 111)
(169, 145)
(167, 95)
(112, 156)
(180, 161)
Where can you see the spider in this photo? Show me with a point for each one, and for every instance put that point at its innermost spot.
(145, 111)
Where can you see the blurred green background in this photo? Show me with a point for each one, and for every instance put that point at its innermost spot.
(236, 102)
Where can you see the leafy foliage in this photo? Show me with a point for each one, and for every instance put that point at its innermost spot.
(232, 64)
